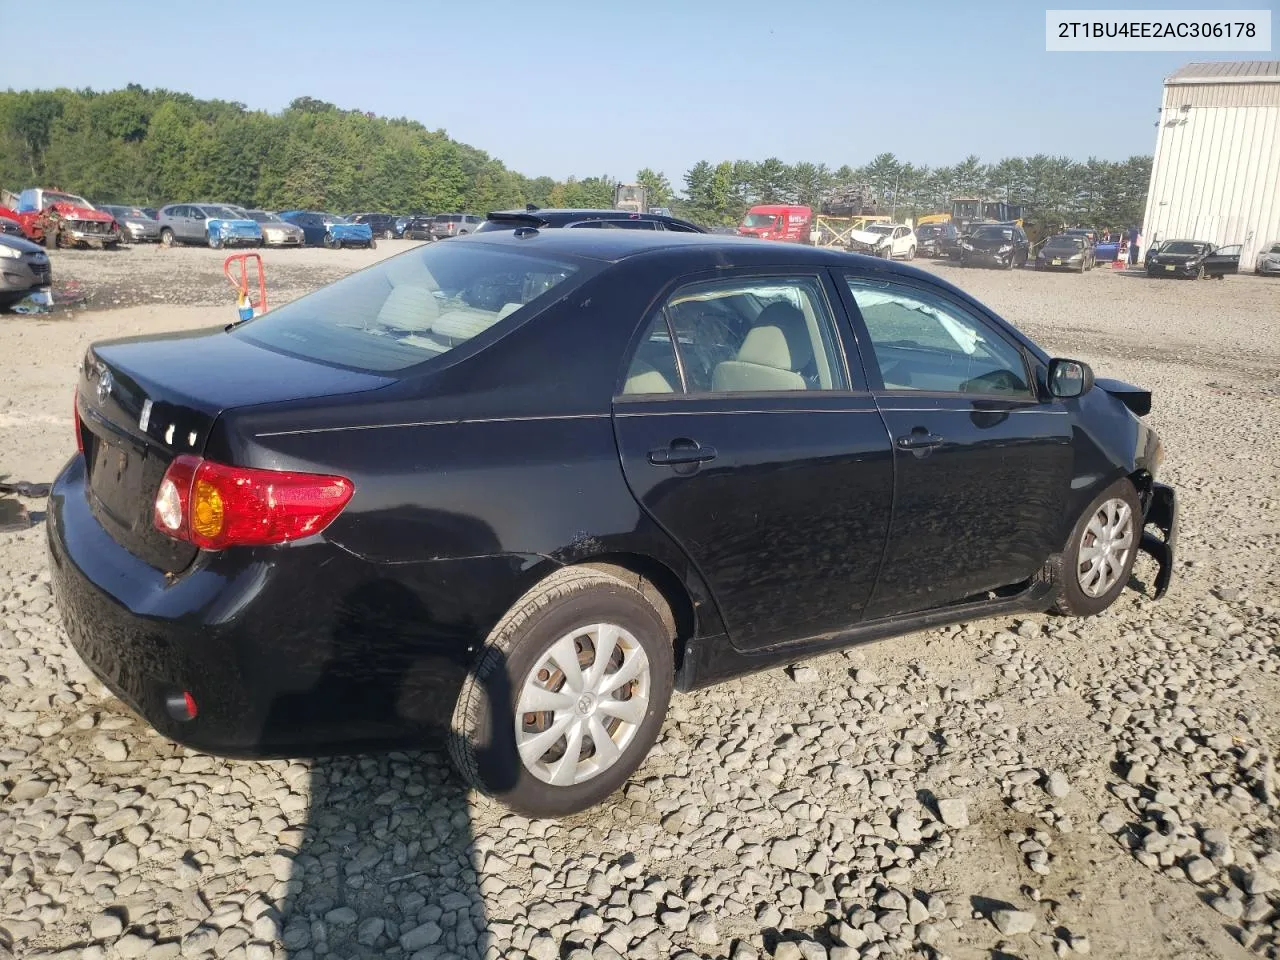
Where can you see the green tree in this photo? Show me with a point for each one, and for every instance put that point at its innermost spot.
(656, 185)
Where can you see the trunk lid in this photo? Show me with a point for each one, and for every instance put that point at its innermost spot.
(143, 401)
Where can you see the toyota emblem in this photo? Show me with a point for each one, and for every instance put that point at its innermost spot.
(104, 386)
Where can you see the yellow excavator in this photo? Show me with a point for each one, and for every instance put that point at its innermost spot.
(968, 210)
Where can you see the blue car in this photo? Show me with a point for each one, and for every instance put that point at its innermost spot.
(211, 224)
(329, 229)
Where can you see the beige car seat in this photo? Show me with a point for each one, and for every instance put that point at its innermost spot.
(771, 357)
(646, 379)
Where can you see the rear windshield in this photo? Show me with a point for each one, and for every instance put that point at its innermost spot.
(930, 230)
(408, 309)
(491, 225)
(448, 217)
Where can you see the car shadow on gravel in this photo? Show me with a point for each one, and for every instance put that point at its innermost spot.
(387, 860)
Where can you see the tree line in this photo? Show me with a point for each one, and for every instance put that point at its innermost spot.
(153, 146)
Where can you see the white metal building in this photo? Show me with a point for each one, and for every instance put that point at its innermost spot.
(1215, 174)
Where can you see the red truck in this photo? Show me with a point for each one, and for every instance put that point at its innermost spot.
(778, 222)
(59, 219)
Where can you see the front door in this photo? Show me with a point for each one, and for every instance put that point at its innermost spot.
(983, 464)
(1222, 261)
(750, 443)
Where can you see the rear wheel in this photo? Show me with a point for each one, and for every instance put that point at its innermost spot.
(373, 244)
(911, 253)
(566, 697)
(1098, 559)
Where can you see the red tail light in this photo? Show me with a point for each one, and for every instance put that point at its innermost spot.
(214, 506)
(75, 420)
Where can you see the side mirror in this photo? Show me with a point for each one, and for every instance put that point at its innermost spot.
(1069, 379)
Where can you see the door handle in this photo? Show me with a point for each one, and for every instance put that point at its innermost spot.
(682, 451)
(920, 440)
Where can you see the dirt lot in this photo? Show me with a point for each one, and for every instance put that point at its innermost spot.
(1018, 788)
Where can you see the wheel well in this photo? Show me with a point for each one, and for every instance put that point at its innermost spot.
(1142, 480)
(660, 586)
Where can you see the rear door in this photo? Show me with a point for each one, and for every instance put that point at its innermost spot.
(983, 464)
(752, 443)
(1224, 260)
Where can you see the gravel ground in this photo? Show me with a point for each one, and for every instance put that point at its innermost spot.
(1015, 788)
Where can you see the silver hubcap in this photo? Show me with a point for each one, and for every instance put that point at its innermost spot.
(1105, 547)
(582, 704)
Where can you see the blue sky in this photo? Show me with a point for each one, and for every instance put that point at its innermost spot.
(557, 88)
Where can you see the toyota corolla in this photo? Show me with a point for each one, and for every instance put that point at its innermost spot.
(518, 488)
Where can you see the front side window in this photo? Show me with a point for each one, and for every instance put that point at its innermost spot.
(927, 343)
(744, 335)
(408, 309)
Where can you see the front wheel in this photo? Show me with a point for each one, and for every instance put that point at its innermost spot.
(333, 243)
(215, 243)
(567, 696)
(388, 234)
(166, 237)
(1098, 559)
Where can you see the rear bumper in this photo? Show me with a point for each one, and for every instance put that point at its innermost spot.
(1162, 513)
(295, 651)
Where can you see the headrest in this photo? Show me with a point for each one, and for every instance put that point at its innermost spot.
(766, 346)
(792, 324)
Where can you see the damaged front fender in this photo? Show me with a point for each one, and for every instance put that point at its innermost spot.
(1161, 512)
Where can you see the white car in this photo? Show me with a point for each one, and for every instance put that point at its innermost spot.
(885, 240)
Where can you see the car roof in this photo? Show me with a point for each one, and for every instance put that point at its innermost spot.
(552, 215)
(723, 250)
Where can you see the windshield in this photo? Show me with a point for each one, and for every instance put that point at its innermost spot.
(881, 228)
(410, 308)
(1183, 247)
(334, 218)
(1064, 243)
(222, 213)
(757, 220)
(261, 216)
(930, 230)
(67, 198)
(993, 233)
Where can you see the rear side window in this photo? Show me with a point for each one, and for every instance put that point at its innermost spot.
(411, 308)
(745, 335)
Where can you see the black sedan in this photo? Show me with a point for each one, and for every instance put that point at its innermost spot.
(938, 240)
(1192, 260)
(995, 245)
(1065, 252)
(418, 228)
(516, 489)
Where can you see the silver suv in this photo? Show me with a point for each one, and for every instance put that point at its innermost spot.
(453, 225)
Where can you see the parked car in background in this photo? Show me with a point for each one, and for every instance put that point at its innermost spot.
(24, 269)
(135, 225)
(58, 219)
(382, 224)
(995, 245)
(1065, 252)
(938, 240)
(886, 240)
(418, 228)
(9, 224)
(1192, 260)
(275, 232)
(514, 490)
(777, 221)
(208, 224)
(151, 212)
(614, 219)
(1268, 261)
(445, 225)
(322, 229)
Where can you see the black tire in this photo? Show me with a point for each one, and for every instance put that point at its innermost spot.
(373, 244)
(166, 237)
(911, 253)
(482, 741)
(388, 234)
(1199, 273)
(331, 242)
(1068, 598)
